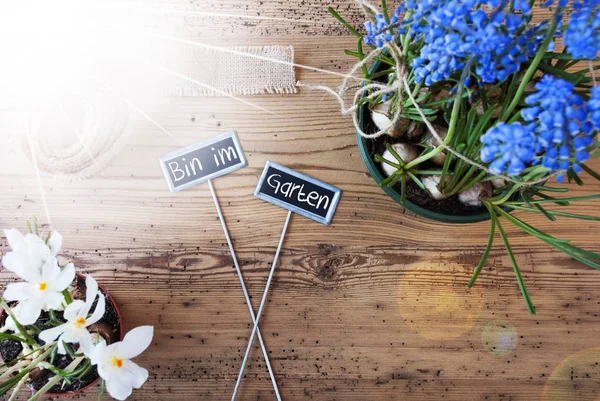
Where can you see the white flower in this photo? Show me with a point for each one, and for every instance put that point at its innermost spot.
(42, 289)
(29, 252)
(76, 313)
(9, 323)
(114, 361)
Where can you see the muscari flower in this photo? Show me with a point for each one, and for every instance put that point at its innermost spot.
(42, 289)
(562, 125)
(593, 108)
(380, 31)
(78, 318)
(456, 32)
(114, 361)
(508, 147)
(582, 36)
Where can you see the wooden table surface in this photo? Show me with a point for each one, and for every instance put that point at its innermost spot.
(373, 307)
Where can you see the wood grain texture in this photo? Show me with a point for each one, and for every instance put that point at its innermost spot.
(373, 307)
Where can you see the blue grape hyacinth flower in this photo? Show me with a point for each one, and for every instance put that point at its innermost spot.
(483, 32)
(593, 107)
(508, 147)
(563, 125)
(381, 31)
(582, 36)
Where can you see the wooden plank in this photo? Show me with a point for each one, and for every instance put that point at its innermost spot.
(373, 307)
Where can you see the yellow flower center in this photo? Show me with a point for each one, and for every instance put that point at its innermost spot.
(117, 362)
(79, 322)
(43, 286)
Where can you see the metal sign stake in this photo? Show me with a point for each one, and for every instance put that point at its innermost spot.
(203, 161)
(261, 307)
(255, 319)
(298, 193)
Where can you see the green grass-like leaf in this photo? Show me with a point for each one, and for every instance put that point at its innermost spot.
(101, 390)
(590, 172)
(515, 266)
(572, 176)
(343, 22)
(11, 382)
(6, 336)
(539, 207)
(571, 199)
(486, 252)
(557, 213)
(403, 190)
(416, 180)
(549, 189)
(575, 252)
(529, 229)
(391, 149)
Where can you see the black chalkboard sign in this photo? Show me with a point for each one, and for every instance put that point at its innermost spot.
(202, 161)
(298, 192)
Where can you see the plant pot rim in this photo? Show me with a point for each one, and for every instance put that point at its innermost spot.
(120, 319)
(456, 218)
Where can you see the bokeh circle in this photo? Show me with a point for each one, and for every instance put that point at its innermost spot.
(438, 310)
(577, 377)
(499, 337)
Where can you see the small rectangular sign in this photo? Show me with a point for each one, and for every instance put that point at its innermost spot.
(202, 161)
(298, 192)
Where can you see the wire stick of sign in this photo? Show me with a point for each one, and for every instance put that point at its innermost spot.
(297, 193)
(201, 162)
(243, 284)
(262, 305)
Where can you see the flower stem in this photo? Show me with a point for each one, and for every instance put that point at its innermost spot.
(453, 121)
(439, 149)
(404, 39)
(31, 365)
(54, 380)
(15, 392)
(67, 295)
(417, 89)
(532, 67)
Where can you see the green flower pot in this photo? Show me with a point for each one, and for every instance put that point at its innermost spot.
(363, 144)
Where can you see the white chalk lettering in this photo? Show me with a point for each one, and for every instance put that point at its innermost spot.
(195, 161)
(321, 199)
(185, 169)
(176, 170)
(276, 182)
(229, 152)
(215, 157)
(312, 196)
(287, 190)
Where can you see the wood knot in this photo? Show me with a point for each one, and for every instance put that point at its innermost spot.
(327, 249)
(327, 271)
